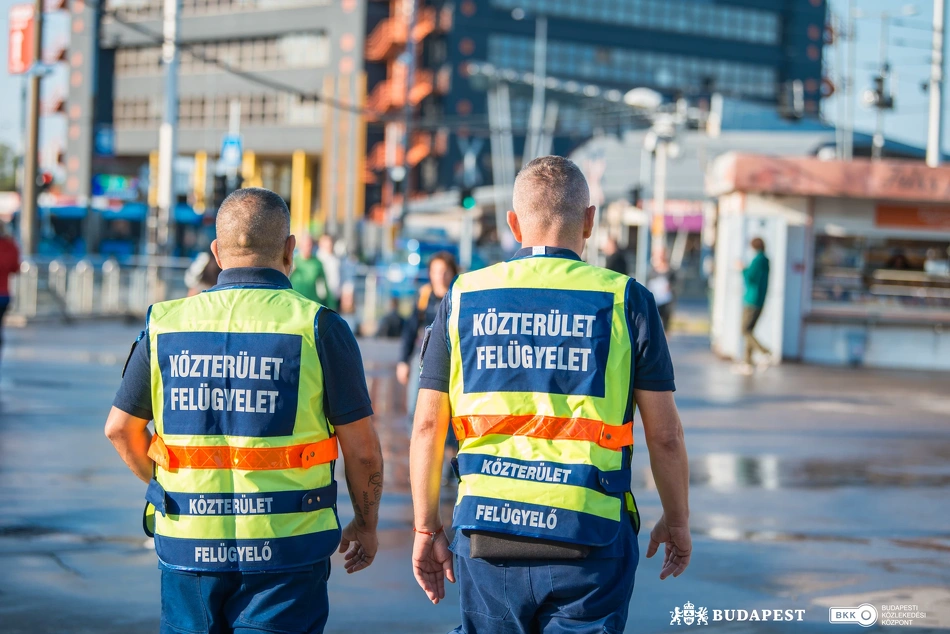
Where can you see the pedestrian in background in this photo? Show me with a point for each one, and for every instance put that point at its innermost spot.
(392, 323)
(442, 270)
(538, 364)
(202, 274)
(756, 278)
(308, 276)
(616, 258)
(9, 265)
(251, 386)
(660, 282)
(331, 263)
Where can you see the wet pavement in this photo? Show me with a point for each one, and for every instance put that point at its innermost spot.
(811, 487)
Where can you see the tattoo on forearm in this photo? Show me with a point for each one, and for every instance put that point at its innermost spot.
(358, 512)
(371, 495)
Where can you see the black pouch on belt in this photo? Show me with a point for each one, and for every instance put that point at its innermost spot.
(486, 545)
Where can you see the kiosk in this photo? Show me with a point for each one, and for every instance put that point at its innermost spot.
(860, 259)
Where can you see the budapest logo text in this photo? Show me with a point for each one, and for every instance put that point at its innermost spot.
(689, 614)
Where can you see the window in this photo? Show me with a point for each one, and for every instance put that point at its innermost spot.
(300, 50)
(883, 274)
(213, 111)
(624, 66)
(688, 17)
(152, 9)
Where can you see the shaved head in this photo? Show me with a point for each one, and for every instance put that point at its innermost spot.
(551, 192)
(253, 224)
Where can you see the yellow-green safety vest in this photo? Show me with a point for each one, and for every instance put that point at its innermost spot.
(243, 449)
(541, 399)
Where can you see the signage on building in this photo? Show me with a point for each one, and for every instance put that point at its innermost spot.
(115, 186)
(20, 52)
(231, 152)
(913, 216)
(104, 141)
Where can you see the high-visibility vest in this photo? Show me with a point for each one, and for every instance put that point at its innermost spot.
(243, 449)
(541, 400)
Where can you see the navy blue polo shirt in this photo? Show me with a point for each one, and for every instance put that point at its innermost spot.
(652, 366)
(345, 397)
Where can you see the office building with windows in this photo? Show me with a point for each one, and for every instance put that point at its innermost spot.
(247, 67)
(757, 50)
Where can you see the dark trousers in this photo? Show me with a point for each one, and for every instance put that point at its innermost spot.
(4, 305)
(590, 596)
(245, 603)
(750, 316)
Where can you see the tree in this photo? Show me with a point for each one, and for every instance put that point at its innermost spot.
(7, 168)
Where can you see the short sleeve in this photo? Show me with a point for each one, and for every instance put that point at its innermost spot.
(345, 396)
(435, 356)
(135, 392)
(653, 367)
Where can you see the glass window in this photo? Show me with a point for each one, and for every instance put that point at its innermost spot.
(890, 275)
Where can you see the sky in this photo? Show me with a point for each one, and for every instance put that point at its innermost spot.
(908, 52)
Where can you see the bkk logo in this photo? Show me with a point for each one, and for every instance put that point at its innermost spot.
(689, 614)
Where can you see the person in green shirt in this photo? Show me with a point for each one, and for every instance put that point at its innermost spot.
(308, 277)
(756, 277)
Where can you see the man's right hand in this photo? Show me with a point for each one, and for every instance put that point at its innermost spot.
(402, 372)
(432, 564)
(679, 547)
(360, 546)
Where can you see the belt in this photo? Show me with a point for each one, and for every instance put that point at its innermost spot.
(614, 437)
(171, 457)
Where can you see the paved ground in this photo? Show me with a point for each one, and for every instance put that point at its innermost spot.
(810, 487)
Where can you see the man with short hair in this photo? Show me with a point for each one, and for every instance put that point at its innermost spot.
(251, 386)
(538, 364)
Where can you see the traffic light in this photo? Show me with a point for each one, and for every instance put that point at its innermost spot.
(43, 182)
(220, 189)
(467, 198)
(635, 194)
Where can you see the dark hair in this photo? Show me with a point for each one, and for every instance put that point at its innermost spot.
(447, 258)
(758, 244)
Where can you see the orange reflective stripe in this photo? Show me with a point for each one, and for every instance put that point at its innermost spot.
(172, 457)
(548, 427)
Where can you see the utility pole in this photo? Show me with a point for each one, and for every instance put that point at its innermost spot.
(31, 171)
(536, 120)
(168, 132)
(658, 217)
(161, 218)
(883, 99)
(937, 57)
(840, 80)
(410, 61)
(849, 84)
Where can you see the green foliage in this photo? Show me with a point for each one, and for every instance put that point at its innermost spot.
(7, 168)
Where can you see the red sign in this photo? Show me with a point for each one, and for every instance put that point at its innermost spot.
(913, 216)
(20, 54)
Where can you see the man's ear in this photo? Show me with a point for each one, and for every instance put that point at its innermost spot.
(589, 214)
(515, 226)
(214, 252)
(289, 247)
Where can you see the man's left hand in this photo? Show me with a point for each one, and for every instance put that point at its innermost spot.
(360, 546)
(432, 564)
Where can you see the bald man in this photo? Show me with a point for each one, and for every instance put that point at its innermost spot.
(253, 390)
(539, 363)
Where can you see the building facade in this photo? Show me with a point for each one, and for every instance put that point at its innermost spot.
(253, 67)
(767, 51)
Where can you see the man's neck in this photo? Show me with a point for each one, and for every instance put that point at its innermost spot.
(552, 244)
